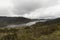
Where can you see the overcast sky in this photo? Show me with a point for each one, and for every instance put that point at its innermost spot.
(32, 8)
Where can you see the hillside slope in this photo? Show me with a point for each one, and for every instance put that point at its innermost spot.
(13, 20)
(49, 30)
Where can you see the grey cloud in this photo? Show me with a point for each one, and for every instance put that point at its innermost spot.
(25, 8)
(34, 8)
(28, 8)
(3, 12)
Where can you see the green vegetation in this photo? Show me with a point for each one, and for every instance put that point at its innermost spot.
(4, 21)
(49, 30)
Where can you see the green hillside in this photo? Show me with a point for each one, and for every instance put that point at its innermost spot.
(49, 30)
(5, 21)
